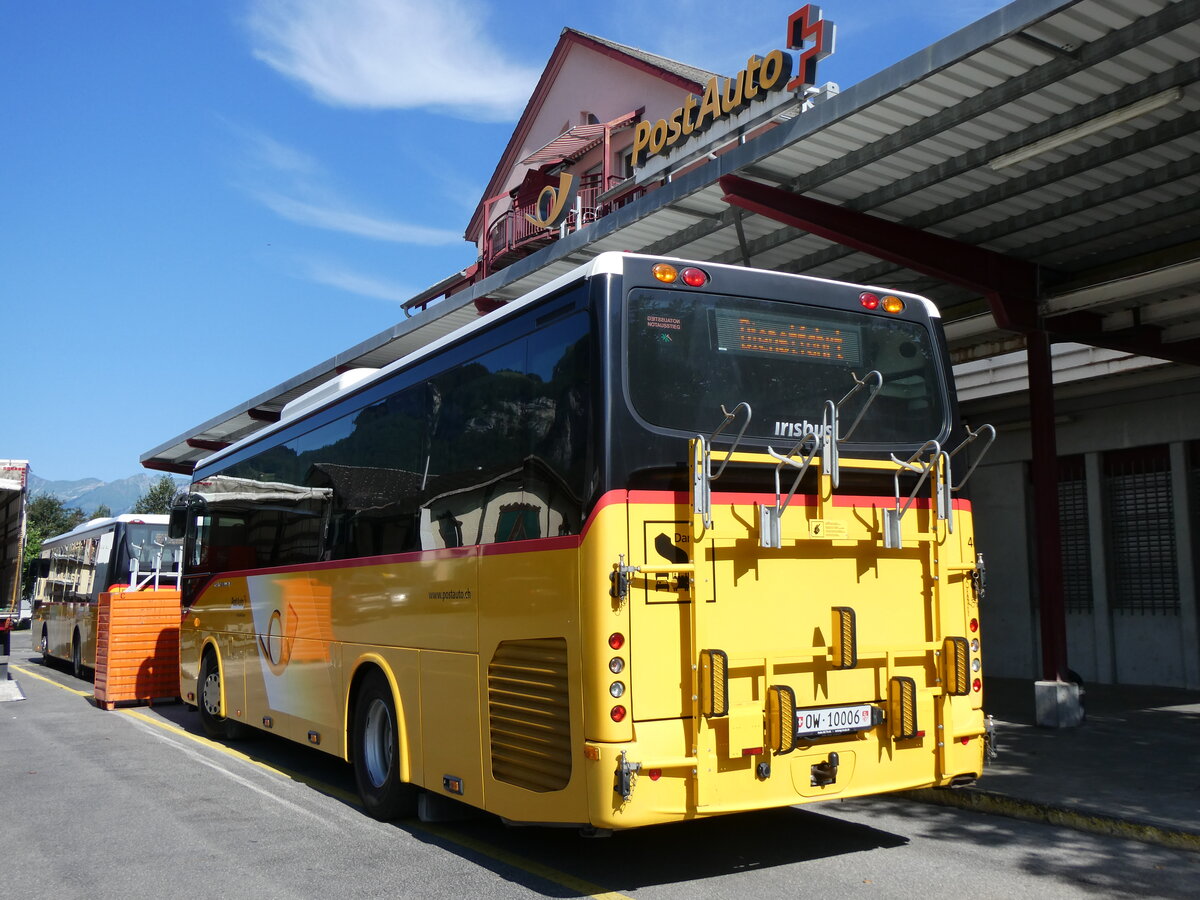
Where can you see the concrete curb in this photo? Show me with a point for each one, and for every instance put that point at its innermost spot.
(1094, 823)
(10, 690)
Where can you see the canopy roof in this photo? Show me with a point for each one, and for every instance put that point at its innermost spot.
(1062, 137)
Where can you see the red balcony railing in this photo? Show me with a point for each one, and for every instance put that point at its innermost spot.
(513, 236)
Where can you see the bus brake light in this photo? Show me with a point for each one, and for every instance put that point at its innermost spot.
(694, 277)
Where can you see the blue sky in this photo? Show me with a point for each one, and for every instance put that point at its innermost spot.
(202, 198)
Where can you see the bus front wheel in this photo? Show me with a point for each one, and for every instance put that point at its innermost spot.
(208, 694)
(376, 746)
(44, 646)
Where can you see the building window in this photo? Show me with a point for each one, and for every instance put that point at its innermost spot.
(1074, 529)
(1141, 530)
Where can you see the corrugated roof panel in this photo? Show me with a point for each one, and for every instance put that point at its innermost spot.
(918, 143)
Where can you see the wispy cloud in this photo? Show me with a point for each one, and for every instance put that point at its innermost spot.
(336, 217)
(356, 283)
(295, 186)
(392, 54)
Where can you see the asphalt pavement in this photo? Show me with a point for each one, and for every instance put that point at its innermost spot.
(1132, 769)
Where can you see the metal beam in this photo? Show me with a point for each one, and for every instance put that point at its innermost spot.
(1046, 525)
(1011, 285)
(1084, 327)
(1135, 34)
(163, 465)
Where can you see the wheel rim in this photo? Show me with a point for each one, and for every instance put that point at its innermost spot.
(45, 644)
(377, 742)
(210, 694)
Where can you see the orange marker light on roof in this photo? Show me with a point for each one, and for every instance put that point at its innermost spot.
(893, 304)
(665, 273)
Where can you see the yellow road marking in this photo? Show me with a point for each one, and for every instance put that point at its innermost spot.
(502, 856)
(33, 674)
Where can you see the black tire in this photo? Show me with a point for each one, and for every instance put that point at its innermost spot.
(208, 702)
(44, 646)
(376, 744)
(76, 657)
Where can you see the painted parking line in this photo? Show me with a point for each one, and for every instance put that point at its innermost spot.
(536, 869)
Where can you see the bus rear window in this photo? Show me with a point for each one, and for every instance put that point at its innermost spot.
(689, 354)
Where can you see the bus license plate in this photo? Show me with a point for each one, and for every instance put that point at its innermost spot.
(832, 720)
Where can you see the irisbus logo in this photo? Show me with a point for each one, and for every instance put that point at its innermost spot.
(801, 428)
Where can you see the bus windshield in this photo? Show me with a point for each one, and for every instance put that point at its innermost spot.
(689, 354)
(144, 542)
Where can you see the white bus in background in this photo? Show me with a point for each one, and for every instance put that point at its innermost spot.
(77, 567)
(14, 497)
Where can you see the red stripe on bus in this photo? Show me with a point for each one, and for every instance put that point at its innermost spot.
(533, 545)
(681, 498)
(573, 541)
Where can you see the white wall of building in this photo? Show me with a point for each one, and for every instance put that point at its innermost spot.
(1131, 407)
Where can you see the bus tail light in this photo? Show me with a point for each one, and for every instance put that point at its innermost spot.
(714, 683)
(868, 300)
(902, 707)
(781, 718)
(694, 277)
(956, 666)
(617, 713)
(845, 638)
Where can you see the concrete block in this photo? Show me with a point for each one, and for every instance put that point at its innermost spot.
(1058, 704)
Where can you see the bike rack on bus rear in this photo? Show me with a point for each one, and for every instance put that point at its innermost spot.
(938, 462)
(770, 528)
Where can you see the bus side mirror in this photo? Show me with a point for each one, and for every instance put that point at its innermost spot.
(177, 526)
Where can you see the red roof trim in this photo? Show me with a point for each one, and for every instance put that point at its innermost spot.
(566, 40)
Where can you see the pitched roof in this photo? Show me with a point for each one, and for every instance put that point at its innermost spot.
(698, 77)
(685, 77)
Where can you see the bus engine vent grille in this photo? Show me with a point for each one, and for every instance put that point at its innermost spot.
(529, 714)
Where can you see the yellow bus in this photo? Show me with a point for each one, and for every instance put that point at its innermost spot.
(105, 554)
(658, 541)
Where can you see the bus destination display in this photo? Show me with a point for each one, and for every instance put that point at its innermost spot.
(763, 334)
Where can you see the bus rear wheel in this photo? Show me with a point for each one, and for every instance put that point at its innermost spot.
(208, 696)
(76, 658)
(44, 647)
(376, 744)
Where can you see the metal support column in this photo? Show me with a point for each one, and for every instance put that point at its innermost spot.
(1048, 537)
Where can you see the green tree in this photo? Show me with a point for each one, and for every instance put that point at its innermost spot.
(103, 511)
(157, 498)
(46, 517)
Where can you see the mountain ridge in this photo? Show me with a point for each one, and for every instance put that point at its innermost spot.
(89, 494)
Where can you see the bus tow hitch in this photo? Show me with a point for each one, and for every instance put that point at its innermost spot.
(825, 773)
(625, 772)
